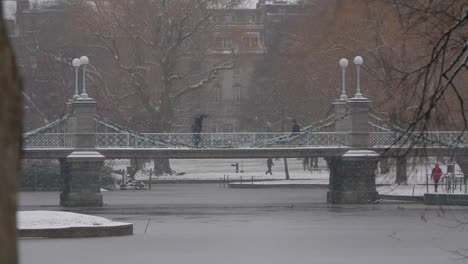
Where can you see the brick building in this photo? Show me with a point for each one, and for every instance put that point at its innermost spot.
(243, 32)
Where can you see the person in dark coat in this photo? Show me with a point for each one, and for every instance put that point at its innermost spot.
(305, 163)
(295, 128)
(436, 174)
(197, 127)
(314, 162)
(269, 165)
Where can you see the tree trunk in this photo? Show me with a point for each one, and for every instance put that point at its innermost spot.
(162, 166)
(401, 173)
(10, 146)
(136, 165)
(385, 166)
(286, 169)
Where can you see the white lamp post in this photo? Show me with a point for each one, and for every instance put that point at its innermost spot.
(343, 65)
(358, 61)
(76, 64)
(84, 61)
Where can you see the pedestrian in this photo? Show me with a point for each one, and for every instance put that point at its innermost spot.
(268, 127)
(269, 165)
(436, 174)
(295, 128)
(196, 130)
(314, 162)
(197, 127)
(305, 163)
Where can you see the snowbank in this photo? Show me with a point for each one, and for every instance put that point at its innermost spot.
(58, 219)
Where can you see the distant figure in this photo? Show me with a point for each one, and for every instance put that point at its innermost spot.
(197, 127)
(295, 128)
(313, 162)
(268, 127)
(306, 164)
(269, 165)
(436, 174)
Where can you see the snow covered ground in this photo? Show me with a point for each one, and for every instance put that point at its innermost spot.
(57, 220)
(214, 169)
(418, 171)
(414, 190)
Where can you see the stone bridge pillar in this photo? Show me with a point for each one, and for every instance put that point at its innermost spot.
(81, 123)
(352, 176)
(82, 168)
(81, 173)
(342, 116)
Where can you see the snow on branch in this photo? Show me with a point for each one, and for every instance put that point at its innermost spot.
(211, 76)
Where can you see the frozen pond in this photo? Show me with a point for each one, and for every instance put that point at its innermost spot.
(208, 224)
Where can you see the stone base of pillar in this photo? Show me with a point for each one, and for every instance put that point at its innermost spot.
(352, 178)
(351, 197)
(81, 173)
(77, 199)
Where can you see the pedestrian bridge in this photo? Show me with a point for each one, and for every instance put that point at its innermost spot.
(247, 140)
(243, 145)
(352, 140)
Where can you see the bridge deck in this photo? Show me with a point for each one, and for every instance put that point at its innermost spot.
(188, 153)
(244, 145)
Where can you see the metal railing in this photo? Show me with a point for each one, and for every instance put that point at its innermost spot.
(219, 140)
(431, 138)
(245, 140)
(449, 182)
(49, 140)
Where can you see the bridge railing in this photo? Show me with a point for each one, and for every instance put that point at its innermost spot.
(429, 138)
(246, 140)
(219, 140)
(49, 140)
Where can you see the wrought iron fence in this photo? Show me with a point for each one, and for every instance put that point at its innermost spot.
(49, 140)
(430, 138)
(219, 140)
(246, 140)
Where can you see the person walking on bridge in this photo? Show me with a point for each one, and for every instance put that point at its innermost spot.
(269, 165)
(295, 128)
(436, 174)
(197, 127)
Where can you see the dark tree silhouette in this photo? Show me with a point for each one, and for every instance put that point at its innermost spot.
(10, 142)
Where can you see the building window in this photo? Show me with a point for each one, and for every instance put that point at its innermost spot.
(218, 93)
(250, 41)
(223, 42)
(227, 43)
(252, 19)
(218, 42)
(228, 19)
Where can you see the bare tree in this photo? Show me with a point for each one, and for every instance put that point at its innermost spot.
(438, 81)
(152, 54)
(10, 142)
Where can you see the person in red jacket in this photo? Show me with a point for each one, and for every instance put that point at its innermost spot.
(436, 174)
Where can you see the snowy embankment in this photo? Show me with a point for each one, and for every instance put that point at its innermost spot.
(415, 190)
(58, 220)
(56, 224)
